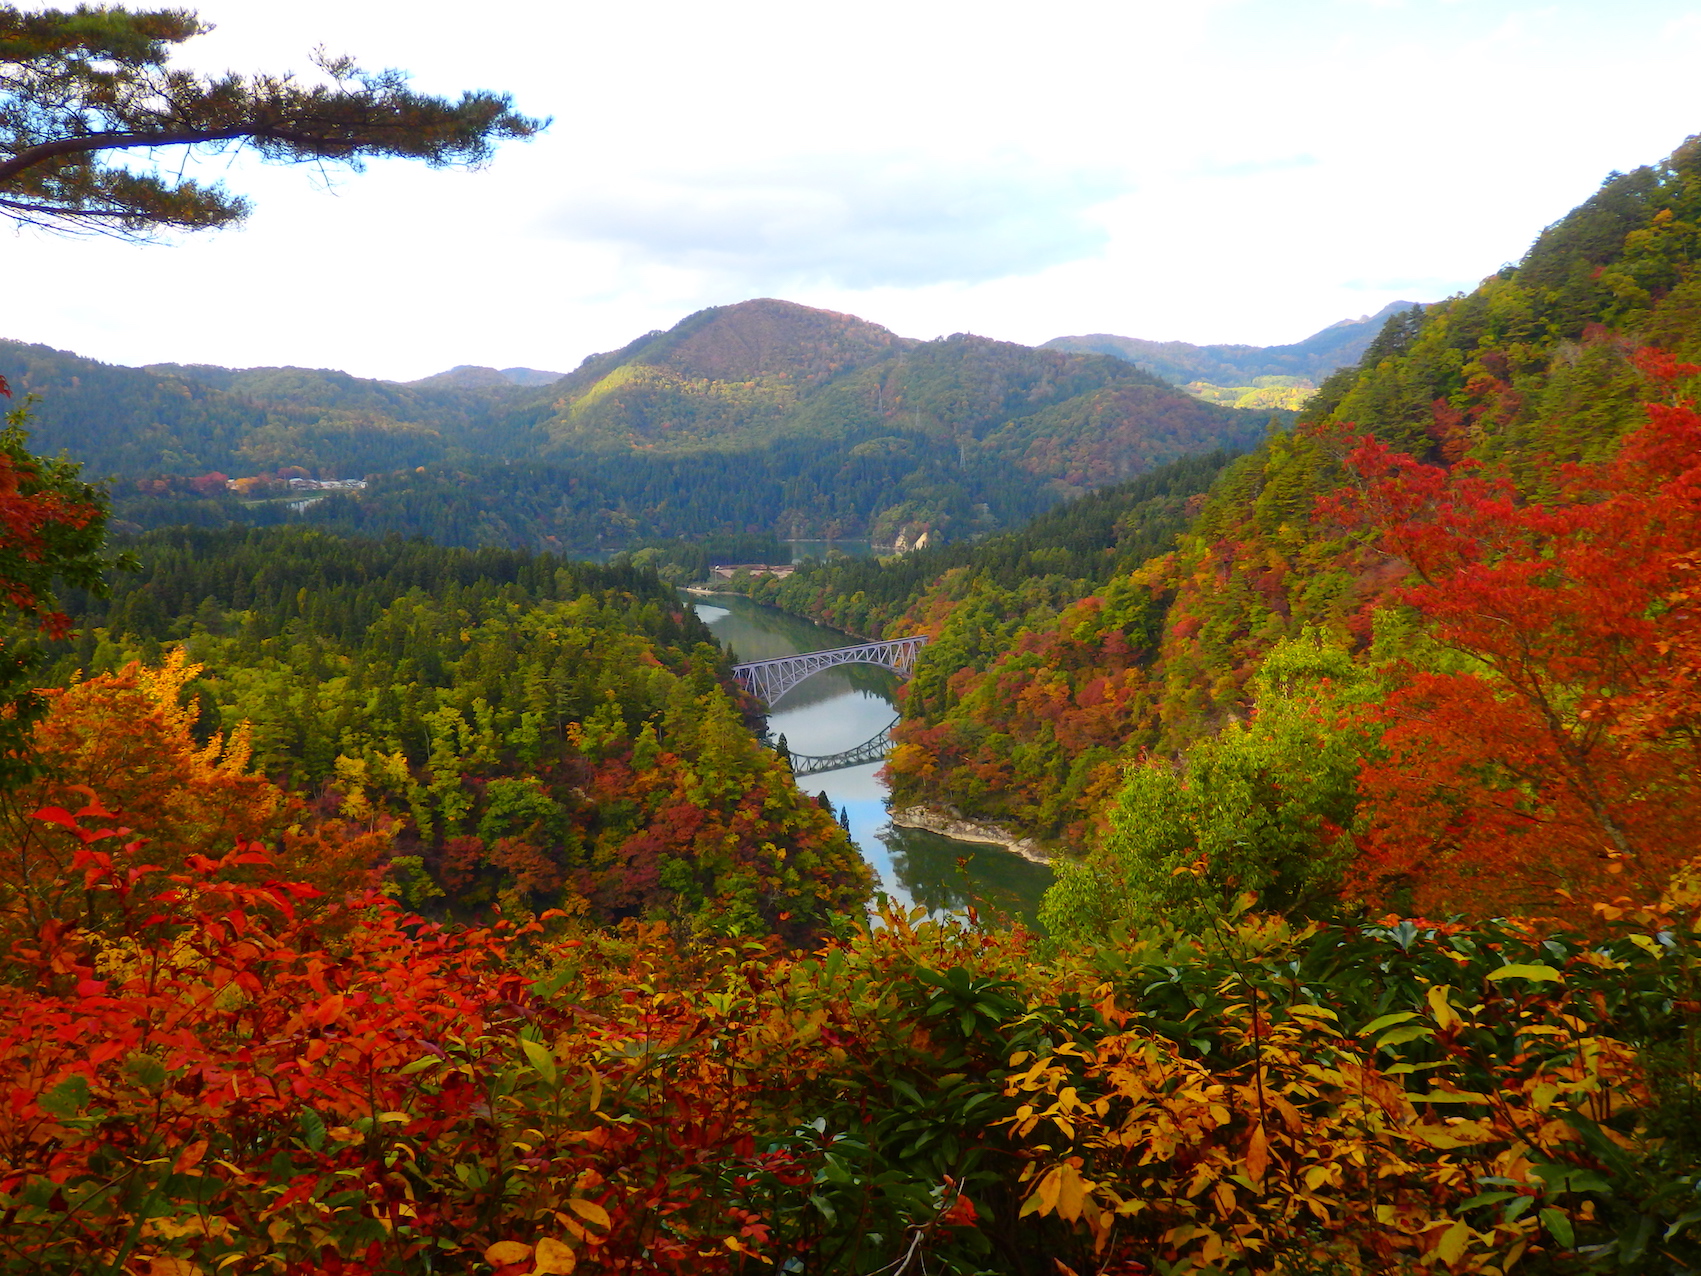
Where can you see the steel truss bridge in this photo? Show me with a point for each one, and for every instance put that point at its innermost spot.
(771, 679)
(870, 750)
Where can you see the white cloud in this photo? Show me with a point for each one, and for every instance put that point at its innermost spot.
(861, 221)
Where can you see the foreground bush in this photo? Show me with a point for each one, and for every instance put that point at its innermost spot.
(231, 1074)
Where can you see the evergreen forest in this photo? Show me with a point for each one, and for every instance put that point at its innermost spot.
(383, 890)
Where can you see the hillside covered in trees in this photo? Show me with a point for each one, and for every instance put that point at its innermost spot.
(507, 726)
(1549, 363)
(762, 416)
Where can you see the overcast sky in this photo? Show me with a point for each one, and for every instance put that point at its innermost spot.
(1202, 170)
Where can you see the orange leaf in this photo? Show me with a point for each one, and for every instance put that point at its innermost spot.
(590, 1211)
(554, 1256)
(329, 1009)
(1257, 1154)
(504, 1252)
(191, 1155)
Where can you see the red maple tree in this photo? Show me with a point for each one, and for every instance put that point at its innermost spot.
(1557, 750)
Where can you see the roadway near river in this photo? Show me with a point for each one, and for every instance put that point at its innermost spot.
(839, 709)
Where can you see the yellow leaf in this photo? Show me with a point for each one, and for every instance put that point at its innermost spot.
(1072, 1192)
(504, 1252)
(590, 1211)
(554, 1256)
(1451, 1247)
(1441, 1008)
(173, 1267)
(1043, 1199)
(189, 1225)
(1538, 973)
(1257, 1154)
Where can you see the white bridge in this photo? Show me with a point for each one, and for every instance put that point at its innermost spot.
(771, 679)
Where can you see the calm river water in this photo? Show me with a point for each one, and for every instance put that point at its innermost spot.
(838, 710)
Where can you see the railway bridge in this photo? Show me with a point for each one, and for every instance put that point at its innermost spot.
(771, 679)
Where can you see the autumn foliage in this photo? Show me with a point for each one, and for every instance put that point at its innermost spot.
(1553, 746)
(213, 1081)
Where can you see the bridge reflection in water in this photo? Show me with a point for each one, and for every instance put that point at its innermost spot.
(872, 749)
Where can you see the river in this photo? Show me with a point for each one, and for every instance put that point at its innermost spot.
(838, 710)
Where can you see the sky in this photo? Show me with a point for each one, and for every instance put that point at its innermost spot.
(1198, 170)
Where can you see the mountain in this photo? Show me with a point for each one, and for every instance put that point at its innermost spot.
(764, 416)
(742, 377)
(472, 377)
(184, 420)
(1181, 362)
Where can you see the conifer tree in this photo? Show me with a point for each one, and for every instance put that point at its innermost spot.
(80, 86)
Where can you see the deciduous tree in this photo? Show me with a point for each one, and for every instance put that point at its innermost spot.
(1560, 749)
(52, 525)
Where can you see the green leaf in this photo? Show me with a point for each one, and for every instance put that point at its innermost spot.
(419, 1065)
(1399, 1036)
(1536, 973)
(67, 1098)
(908, 1091)
(541, 1057)
(1487, 1198)
(148, 1070)
(1376, 1025)
(1558, 1227)
(312, 1129)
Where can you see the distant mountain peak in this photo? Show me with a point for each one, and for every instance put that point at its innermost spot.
(762, 337)
(1181, 362)
(469, 376)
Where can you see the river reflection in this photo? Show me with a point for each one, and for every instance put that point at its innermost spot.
(838, 710)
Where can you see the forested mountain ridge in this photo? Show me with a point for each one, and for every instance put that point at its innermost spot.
(761, 416)
(1340, 344)
(473, 376)
(736, 377)
(172, 420)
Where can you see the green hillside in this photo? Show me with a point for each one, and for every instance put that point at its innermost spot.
(177, 420)
(759, 417)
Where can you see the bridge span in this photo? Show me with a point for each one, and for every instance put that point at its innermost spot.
(771, 679)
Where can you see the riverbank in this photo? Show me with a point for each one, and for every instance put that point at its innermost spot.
(961, 830)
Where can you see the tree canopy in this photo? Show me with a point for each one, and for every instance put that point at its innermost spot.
(52, 529)
(80, 87)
